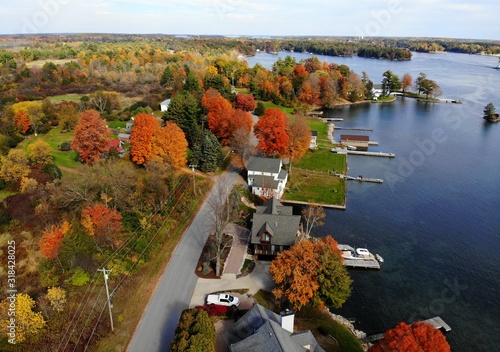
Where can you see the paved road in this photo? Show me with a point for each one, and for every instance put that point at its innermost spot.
(173, 294)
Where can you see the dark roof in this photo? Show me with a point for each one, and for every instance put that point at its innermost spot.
(354, 137)
(265, 182)
(277, 218)
(261, 331)
(264, 164)
(314, 133)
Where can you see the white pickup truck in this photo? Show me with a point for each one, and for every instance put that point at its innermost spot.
(223, 299)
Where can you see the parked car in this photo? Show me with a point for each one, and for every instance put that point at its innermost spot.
(223, 299)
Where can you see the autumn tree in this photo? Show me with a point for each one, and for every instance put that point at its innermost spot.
(242, 144)
(51, 240)
(91, 137)
(312, 216)
(22, 120)
(406, 82)
(418, 337)
(271, 132)
(38, 152)
(105, 101)
(170, 144)
(57, 298)
(245, 102)
(67, 115)
(101, 222)
(311, 273)
(14, 165)
(28, 324)
(299, 138)
(141, 137)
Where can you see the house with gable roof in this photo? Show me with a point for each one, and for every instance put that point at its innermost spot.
(266, 176)
(262, 330)
(274, 228)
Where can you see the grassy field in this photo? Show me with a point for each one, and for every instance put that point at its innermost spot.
(40, 63)
(322, 160)
(315, 188)
(54, 138)
(268, 104)
(65, 97)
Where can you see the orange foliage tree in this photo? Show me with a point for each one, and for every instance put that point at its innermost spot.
(270, 130)
(102, 222)
(170, 144)
(223, 120)
(419, 337)
(51, 240)
(141, 137)
(299, 141)
(92, 137)
(22, 120)
(301, 271)
(245, 102)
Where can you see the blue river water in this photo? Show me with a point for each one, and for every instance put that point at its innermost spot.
(436, 218)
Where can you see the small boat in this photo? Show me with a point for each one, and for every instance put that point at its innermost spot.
(498, 66)
(379, 258)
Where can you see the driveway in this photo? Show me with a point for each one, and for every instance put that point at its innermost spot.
(175, 288)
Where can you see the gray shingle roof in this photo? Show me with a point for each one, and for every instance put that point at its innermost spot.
(265, 182)
(264, 164)
(279, 219)
(260, 331)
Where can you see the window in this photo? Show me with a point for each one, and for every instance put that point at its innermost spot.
(265, 237)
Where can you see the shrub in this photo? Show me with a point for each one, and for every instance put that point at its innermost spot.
(52, 170)
(79, 277)
(65, 146)
(195, 332)
(216, 310)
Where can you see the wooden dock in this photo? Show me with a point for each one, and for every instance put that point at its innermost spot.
(359, 178)
(362, 263)
(380, 154)
(438, 323)
(335, 119)
(353, 129)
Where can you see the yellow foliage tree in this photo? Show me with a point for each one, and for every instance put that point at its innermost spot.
(38, 152)
(57, 298)
(27, 322)
(14, 166)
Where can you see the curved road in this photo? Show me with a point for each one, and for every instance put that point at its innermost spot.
(175, 288)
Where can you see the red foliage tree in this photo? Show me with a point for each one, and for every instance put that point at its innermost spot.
(141, 137)
(102, 222)
(270, 130)
(419, 337)
(245, 102)
(223, 120)
(91, 137)
(22, 120)
(51, 240)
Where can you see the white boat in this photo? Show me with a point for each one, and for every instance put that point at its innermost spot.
(351, 147)
(379, 258)
(498, 66)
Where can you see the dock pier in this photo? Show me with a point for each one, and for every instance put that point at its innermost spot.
(381, 154)
(353, 128)
(438, 323)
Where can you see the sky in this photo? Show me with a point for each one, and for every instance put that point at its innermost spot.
(394, 18)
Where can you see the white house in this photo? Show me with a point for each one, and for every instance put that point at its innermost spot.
(377, 91)
(266, 177)
(164, 105)
(314, 140)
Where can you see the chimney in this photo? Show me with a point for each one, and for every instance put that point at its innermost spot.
(287, 319)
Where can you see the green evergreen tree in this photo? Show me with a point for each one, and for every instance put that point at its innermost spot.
(192, 84)
(259, 109)
(194, 333)
(167, 78)
(184, 110)
(206, 152)
(489, 109)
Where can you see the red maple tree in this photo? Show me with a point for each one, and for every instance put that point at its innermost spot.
(245, 102)
(419, 337)
(51, 240)
(270, 130)
(91, 137)
(141, 137)
(22, 120)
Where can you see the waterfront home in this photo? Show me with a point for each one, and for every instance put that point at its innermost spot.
(266, 177)
(274, 228)
(265, 331)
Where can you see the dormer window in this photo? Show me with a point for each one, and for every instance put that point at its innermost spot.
(265, 237)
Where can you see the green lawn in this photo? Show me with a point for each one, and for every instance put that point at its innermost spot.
(54, 138)
(268, 104)
(315, 188)
(117, 124)
(66, 97)
(322, 160)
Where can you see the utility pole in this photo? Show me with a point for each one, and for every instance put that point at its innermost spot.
(194, 178)
(105, 272)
